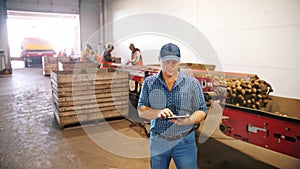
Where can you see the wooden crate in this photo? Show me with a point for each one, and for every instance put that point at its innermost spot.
(81, 97)
(50, 63)
(78, 66)
(197, 66)
(117, 59)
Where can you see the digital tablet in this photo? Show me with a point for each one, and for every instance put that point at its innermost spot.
(177, 117)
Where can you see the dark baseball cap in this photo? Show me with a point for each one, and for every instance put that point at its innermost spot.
(89, 46)
(170, 51)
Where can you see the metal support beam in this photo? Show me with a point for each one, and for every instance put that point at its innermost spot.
(5, 61)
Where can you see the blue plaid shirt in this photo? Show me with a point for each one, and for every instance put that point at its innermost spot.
(186, 97)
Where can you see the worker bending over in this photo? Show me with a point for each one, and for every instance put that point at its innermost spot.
(136, 57)
(88, 55)
(107, 57)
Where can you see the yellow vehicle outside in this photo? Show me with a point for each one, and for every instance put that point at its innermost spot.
(33, 49)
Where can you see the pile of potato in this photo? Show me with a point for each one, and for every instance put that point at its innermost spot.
(248, 93)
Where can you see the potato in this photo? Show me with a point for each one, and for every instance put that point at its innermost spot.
(240, 97)
(249, 101)
(243, 92)
(258, 105)
(239, 88)
(259, 96)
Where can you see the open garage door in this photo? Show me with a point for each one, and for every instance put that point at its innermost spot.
(49, 6)
(61, 31)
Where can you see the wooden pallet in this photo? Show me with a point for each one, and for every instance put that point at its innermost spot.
(80, 97)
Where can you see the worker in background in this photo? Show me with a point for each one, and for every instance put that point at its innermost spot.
(88, 55)
(107, 57)
(72, 54)
(172, 93)
(136, 57)
(62, 53)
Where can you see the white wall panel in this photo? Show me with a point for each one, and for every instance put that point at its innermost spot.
(258, 37)
(179, 8)
(235, 15)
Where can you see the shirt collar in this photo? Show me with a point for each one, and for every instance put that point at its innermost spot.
(178, 81)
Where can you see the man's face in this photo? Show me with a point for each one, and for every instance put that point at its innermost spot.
(170, 67)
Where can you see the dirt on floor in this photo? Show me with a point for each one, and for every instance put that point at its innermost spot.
(31, 139)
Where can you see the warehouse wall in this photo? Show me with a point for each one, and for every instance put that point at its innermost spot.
(94, 14)
(250, 36)
(89, 21)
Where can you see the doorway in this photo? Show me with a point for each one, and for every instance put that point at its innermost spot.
(62, 30)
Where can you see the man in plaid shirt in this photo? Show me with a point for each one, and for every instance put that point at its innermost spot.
(172, 93)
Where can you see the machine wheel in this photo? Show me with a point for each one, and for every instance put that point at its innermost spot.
(223, 128)
(132, 86)
(26, 62)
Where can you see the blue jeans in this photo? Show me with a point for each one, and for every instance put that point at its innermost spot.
(183, 151)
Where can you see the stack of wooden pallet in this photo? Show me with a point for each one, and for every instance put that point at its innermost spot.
(82, 97)
(50, 63)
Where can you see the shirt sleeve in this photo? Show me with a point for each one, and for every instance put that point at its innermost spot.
(144, 95)
(198, 101)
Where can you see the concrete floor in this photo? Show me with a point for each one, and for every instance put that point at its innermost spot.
(31, 139)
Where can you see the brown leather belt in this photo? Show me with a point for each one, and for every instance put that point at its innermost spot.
(172, 138)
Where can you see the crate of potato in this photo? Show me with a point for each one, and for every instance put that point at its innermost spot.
(50, 63)
(83, 97)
